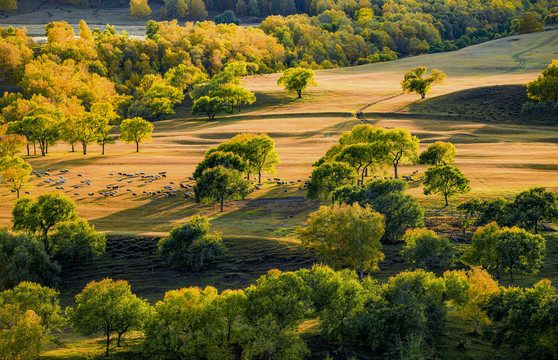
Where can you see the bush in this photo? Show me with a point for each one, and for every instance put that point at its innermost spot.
(425, 249)
(228, 17)
(77, 242)
(191, 246)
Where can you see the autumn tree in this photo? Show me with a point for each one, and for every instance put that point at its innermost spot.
(328, 177)
(545, 87)
(15, 173)
(139, 8)
(297, 79)
(219, 184)
(42, 300)
(191, 246)
(528, 23)
(185, 77)
(136, 130)
(8, 4)
(415, 82)
(533, 206)
(345, 236)
(11, 144)
(519, 251)
(479, 286)
(40, 216)
(438, 153)
(446, 180)
(42, 124)
(235, 95)
(426, 249)
(76, 242)
(482, 251)
(227, 160)
(88, 128)
(21, 333)
(108, 307)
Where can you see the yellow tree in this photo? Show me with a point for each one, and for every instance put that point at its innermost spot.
(15, 173)
(479, 285)
(8, 4)
(21, 333)
(139, 8)
(415, 82)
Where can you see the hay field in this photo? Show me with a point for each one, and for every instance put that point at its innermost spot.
(476, 109)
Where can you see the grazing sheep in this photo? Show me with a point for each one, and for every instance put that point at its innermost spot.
(277, 179)
(162, 172)
(77, 194)
(129, 181)
(134, 194)
(285, 190)
(91, 194)
(80, 175)
(111, 174)
(257, 187)
(128, 189)
(27, 193)
(190, 178)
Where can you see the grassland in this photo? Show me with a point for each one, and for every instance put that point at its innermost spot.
(478, 109)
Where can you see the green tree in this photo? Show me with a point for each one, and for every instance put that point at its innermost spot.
(520, 251)
(185, 77)
(297, 79)
(106, 307)
(161, 98)
(345, 236)
(227, 160)
(532, 206)
(363, 156)
(426, 249)
(8, 5)
(235, 95)
(40, 299)
(15, 173)
(88, 128)
(402, 146)
(415, 82)
(438, 153)
(525, 320)
(136, 130)
(328, 177)
(191, 246)
(76, 242)
(482, 251)
(219, 184)
(11, 144)
(42, 124)
(446, 180)
(545, 87)
(228, 17)
(23, 258)
(210, 106)
(41, 215)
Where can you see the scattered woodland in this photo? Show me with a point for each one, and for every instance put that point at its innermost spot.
(215, 191)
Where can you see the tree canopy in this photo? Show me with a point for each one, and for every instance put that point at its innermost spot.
(415, 82)
(297, 79)
(446, 180)
(136, 130)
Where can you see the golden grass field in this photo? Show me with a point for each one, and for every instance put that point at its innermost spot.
(498, 149)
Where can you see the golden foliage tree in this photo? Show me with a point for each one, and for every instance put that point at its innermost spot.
(139, 8)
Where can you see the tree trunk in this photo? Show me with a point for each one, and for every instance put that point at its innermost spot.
(108, 343)
(34, 148)
(536, 226)
(137, 146)
(17, 192)
(446, 198)
(28, 154)
(222, 201)
(238, 107)
(395, 169)
(84, 145)
(118, 339)
(42, 147)
(511, 275)
(476, 331)
(103, 148)
(422, 96)
(260, 177)
(299, 93)
(73, 150)
(361, 273)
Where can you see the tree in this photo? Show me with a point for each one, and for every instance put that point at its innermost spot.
(446, 180)
(525, 320)
(184, 77)
(297, 79)
(363, 156)
(234, 94)
(8, 5)
(76, 242)
(197, 10)
(438, 153)
(161, 98)
(528, 23)
(345, 236)
(532, 206)
(191, 246)
(21, 334)
(15, 173)
(402, 146)
(479, 287)
(23, 258)
(136, 130)
(519, 250)
(261, 155)
(88, 128)
(227, 160)
(139, 8)
(426, 249)
(41, 215)
(42, 300)
(328, 177)
(105, 307)
(545, 87)
(414, 81)
(228, 17)
(387, 197)
(42, 124)
(210, 106)
(11, 144)
(482, 251)
(219, 184)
